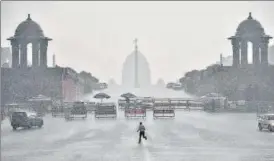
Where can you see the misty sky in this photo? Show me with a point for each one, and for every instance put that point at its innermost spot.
(175, 37)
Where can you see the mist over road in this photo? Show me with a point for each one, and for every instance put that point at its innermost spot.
(195, 136)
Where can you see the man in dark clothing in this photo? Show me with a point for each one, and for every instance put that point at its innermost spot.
(141, 130)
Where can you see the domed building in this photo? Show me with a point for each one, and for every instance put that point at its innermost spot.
(136, 79)
(22, 82)
(250, 30)
(28, 32)
(29, 28)
(136, 62)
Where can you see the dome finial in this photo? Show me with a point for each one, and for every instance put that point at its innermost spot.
(28, 17)
(250, 16)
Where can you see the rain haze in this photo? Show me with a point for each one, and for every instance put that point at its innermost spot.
(77, 78)
(175, 37)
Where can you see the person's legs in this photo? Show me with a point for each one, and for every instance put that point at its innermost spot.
(140, 135)
(144, 135)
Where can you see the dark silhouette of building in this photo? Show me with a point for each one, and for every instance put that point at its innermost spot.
(241, 81)
(21, 82)
(27, 32)
(250, 30)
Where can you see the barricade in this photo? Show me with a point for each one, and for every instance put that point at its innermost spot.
(106, 110)
(163, 112)
(90, 106)
(187, 104)
(162, 102)
(78, 110)
(122, 103)
(58, 111)
(146, 102)
(133, 112)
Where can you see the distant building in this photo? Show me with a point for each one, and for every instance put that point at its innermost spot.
(226, 61)
(235, 77)
(21, 82)
(136, 69)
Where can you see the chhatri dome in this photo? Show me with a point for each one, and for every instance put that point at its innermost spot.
(29, 28)
(250, 27)
(143, 70)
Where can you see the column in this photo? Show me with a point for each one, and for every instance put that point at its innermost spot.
(43, 53)
(35, 56)
(256, 56)
(244, 52)
(236, 56)
(264, 51)
(15, 53)
(23, 55)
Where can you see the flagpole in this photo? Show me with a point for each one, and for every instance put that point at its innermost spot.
(136, 65)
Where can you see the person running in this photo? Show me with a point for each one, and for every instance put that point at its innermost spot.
(141, 130)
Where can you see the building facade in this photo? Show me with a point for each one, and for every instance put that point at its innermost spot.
(21, 82)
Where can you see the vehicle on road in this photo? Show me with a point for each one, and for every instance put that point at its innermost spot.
(266, 121)
(25, 120)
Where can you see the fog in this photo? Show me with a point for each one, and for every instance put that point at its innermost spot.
(99, 35)
(199, 106)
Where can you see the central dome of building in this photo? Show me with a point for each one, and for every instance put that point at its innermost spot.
(143, 70)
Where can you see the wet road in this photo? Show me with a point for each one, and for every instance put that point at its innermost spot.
(191, 136)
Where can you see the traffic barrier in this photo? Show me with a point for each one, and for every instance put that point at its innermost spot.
(163, 112)
(135, 112)
(78, 110)
(106, 110)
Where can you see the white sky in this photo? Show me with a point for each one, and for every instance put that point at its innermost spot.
(175, 37)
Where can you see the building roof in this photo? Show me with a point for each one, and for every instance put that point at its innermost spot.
(250, 25)
(29, 28)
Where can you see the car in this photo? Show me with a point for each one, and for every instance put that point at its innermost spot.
(25, 120)
(266, 121)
